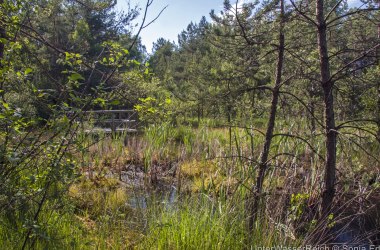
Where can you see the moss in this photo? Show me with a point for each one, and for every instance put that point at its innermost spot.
(107, 196)
(196, 168)
(206, 176)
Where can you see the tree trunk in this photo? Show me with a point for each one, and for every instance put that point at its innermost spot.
(327, 85)
(263, 164)
(378, 81)
(2, 36)
(378, 106)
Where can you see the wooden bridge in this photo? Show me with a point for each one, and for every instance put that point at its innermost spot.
(111, 121)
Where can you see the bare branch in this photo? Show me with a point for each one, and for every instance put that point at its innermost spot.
(241, 25)
(304, 140)
(306, 107)
(303, 14)
(333, 9)
(361, 147)
(159, 14)
(350, 14)
(142, 26)
(359, 128)
(281, 154)
(357, 120)
(353, 61)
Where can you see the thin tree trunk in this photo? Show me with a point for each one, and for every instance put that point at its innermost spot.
(327, 85)
(2, 36)
(378, 109)
(378, 81)
(263, 164)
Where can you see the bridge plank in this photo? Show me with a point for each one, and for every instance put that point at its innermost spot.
(112, 120)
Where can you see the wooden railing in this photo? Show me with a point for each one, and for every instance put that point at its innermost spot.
(110, 121)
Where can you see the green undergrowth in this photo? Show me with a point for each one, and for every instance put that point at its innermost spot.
(214, 165)
(56, 229)
(201, 222)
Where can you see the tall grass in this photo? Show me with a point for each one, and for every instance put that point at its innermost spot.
(201, 222)
(215, 174)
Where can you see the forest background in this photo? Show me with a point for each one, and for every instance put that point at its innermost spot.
(265, 121)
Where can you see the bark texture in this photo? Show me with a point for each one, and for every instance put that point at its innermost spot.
(263, 163)
(330, 132)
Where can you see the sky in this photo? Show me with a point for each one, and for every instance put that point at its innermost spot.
(177, 15)
(174, 19)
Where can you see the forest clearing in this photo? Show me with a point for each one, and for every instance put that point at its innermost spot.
(258, 129)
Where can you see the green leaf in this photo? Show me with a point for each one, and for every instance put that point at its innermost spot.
(138, 107)
(28, 71)
(115, 102)
(76, 77)
(5, 105)
(100, 101)
(168, 101)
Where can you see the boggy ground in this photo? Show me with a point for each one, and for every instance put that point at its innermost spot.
(184, 188)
